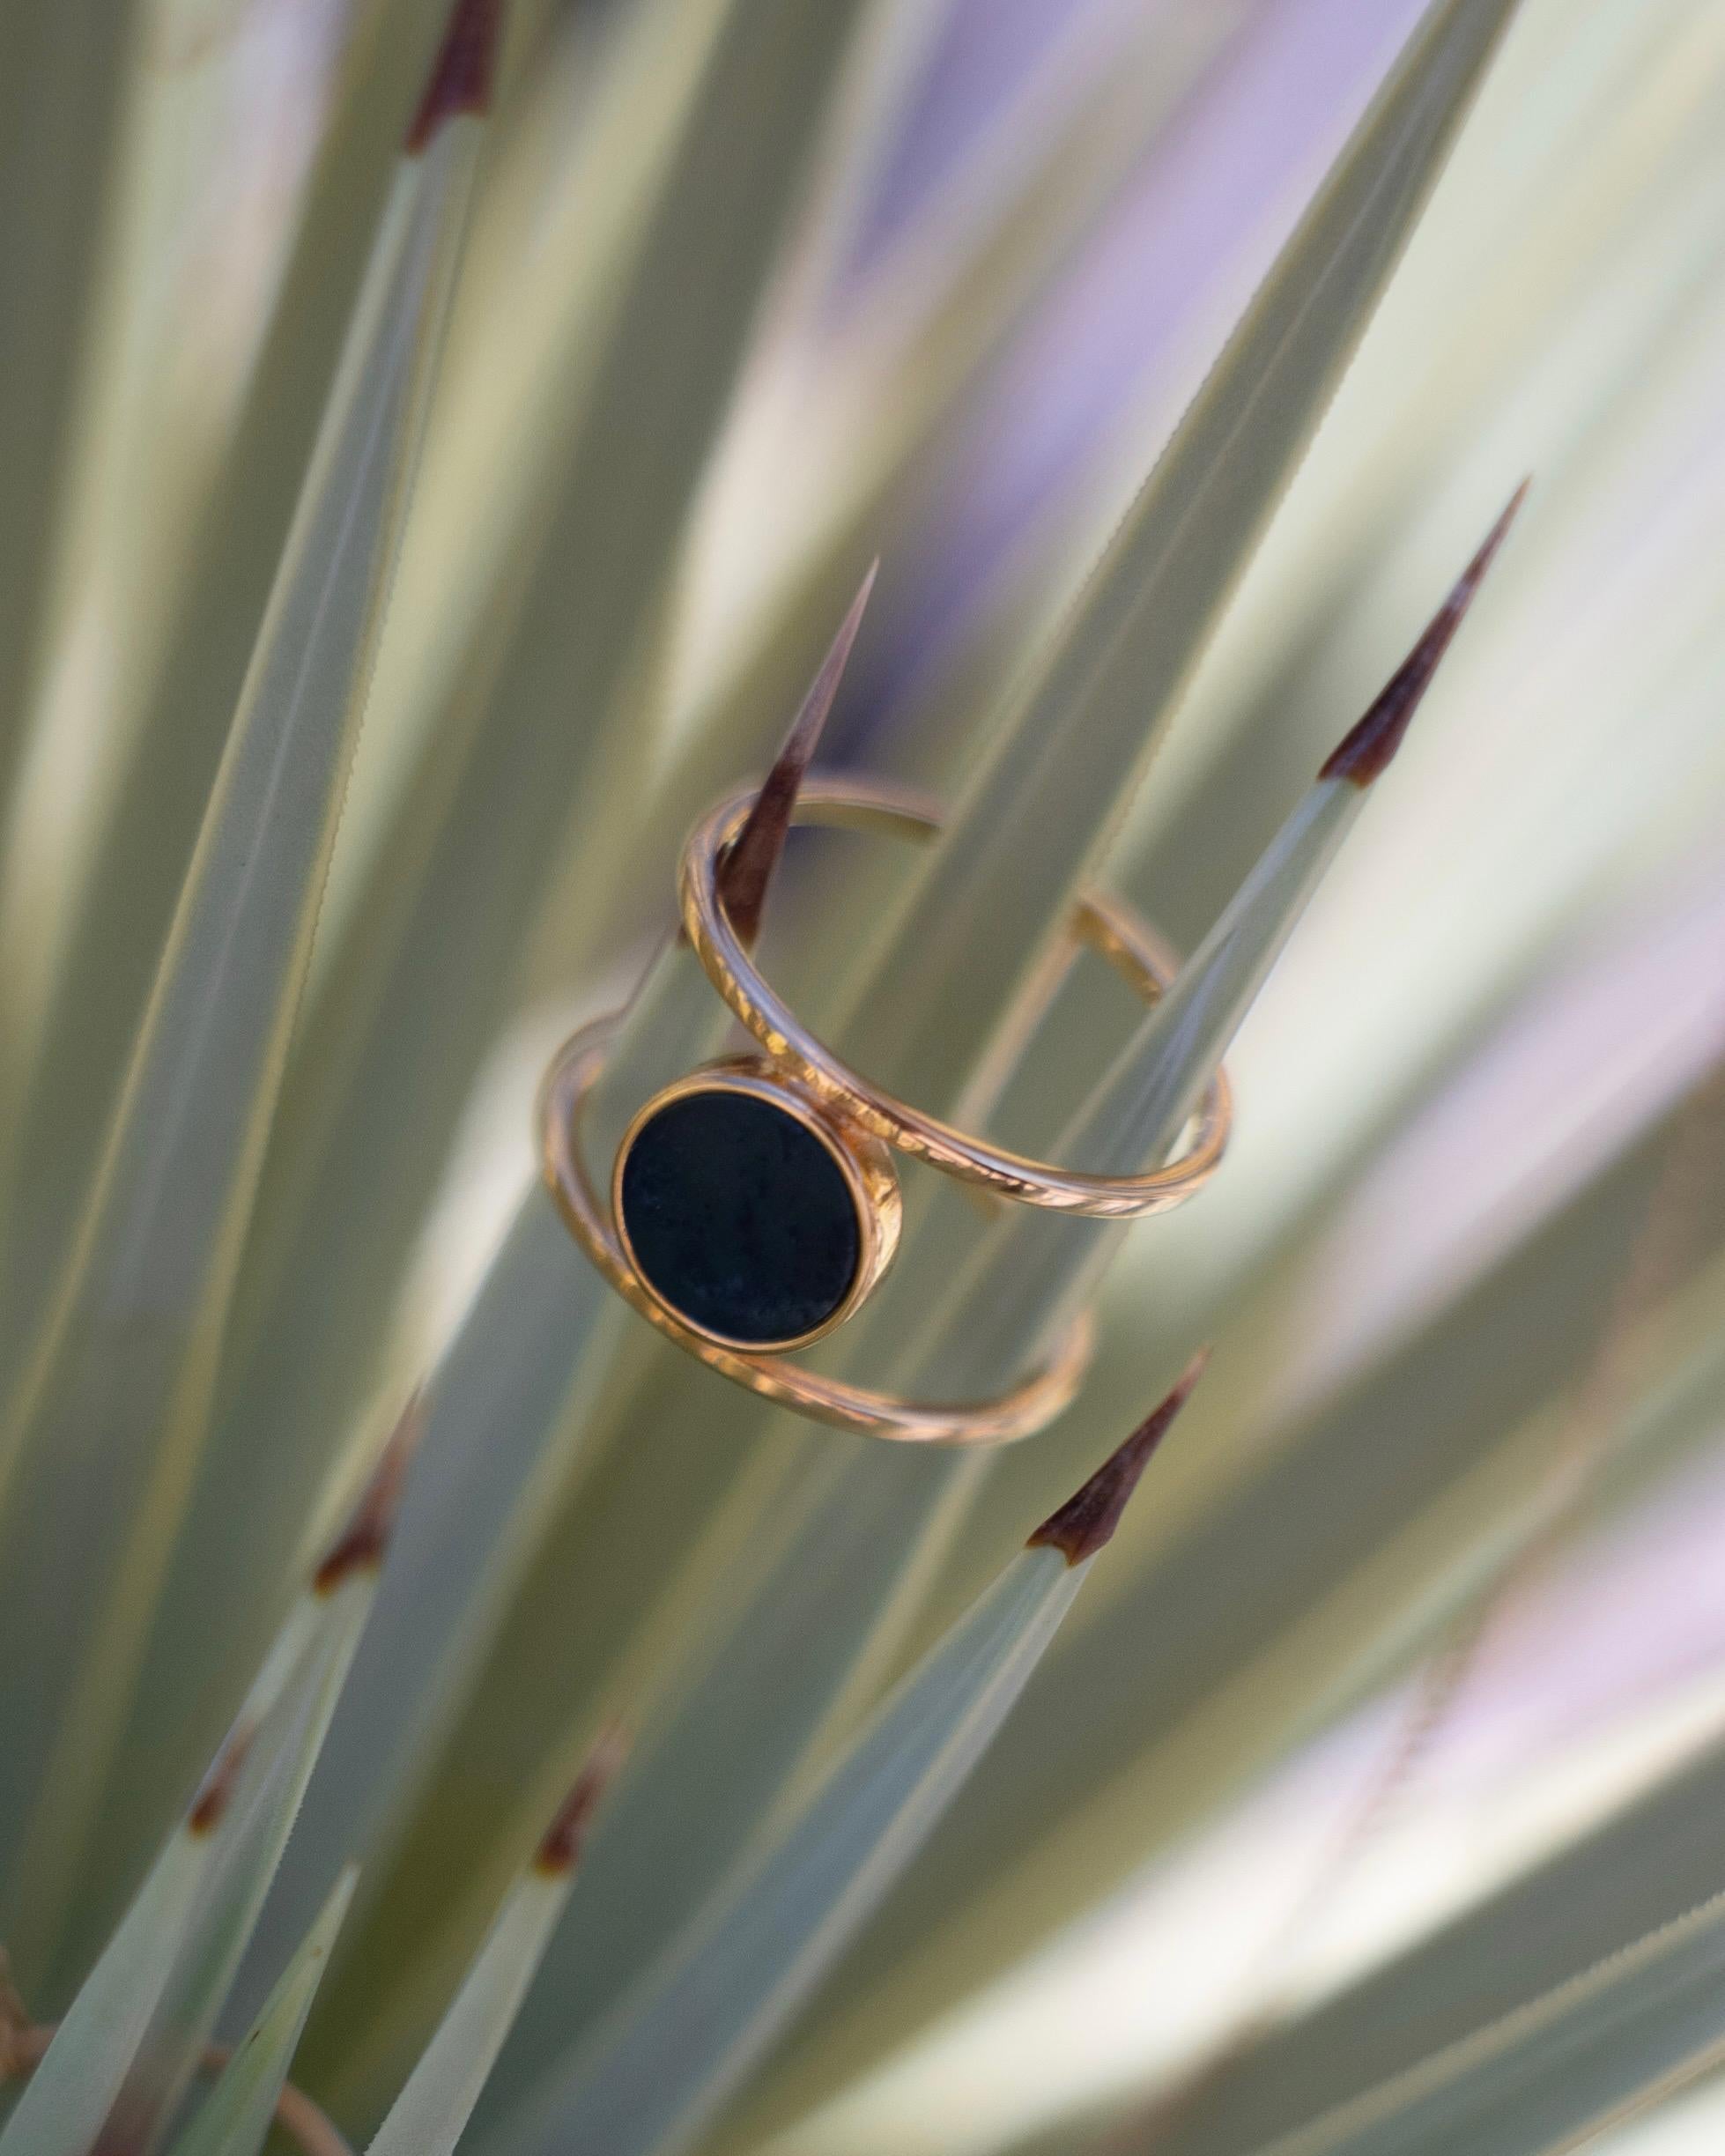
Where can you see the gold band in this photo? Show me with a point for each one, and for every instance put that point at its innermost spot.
(1109, 928)
(1028, 1407)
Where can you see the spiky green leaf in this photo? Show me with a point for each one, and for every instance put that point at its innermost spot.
(1058, 776)
(100, 1440)
(653, 2073)
(233, 2119)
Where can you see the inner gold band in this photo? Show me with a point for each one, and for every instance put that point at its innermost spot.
(1028, 1407)
(1109, 928)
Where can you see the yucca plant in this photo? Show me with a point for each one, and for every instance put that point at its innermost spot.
(434, 1712)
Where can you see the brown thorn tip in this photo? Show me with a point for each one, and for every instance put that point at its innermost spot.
(460, 76)
(1365, 751)
(16, 2026)
(209, 1805)
(361, 1544)
(1090, 1517)
(748, 866)
(560, 1852)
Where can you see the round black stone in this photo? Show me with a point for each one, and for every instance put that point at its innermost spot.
(739, 1217)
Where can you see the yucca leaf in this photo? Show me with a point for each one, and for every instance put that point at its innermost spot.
(671, 1021)
(1027, 1277)
(498, 1404)
(432, 2112)
(1256, 1651)
(763, 1682)
(129, 1357)
(70, 2093)
(518, 1382)
(1158, 1075)
(1465, 860)
(534, 711)
(1058, 775)
(1643, 1867)
(57, 1107)
(63, 71)
(1015, 1278)
(550, 257)
(1557, 2072)
(135, 2031)
(1355, 1279)
(657, 2069)
(934, 317)
(233, 2119)
(750, 862)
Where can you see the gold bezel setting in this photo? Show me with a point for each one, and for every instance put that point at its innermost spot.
(863, 1161)
(1027, 1407)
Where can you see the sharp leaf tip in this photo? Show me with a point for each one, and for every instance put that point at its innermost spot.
(215, 1792)
(362, 1544)
(559, 1851)
(1089, 1517)
(748, 868)
(461, 75)
(1365, 753)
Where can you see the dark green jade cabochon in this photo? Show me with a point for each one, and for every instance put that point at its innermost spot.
(739, 1217)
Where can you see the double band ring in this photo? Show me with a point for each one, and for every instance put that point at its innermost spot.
(754, 1203)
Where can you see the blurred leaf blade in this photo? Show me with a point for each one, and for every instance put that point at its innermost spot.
(515, 1395)
(432, 2112)
(234, 2118)
(65, 71)
(1253, 1659)
(1021, 1285)
(1053, 785)
(135, 2033)
(535, 718)
(131, 1351)
(98, 2039)
(124, 909)
(500, 1425)
(1557, 2072)
(718, 1992)
(834, 1542)
(655, 2073)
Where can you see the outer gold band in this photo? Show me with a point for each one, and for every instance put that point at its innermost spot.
(1108, 927)
(1031, 1404)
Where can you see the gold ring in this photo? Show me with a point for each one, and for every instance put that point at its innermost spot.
(754, 1203)
(1029, 1406)
(1109, 928)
